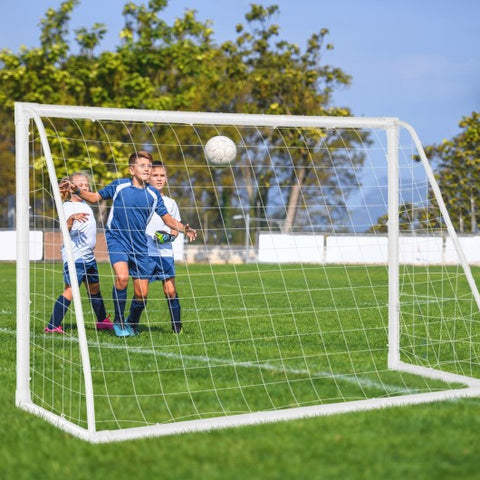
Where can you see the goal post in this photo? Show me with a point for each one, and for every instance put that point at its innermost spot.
(327, 276)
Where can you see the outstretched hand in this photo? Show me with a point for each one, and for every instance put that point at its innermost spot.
(79, 217)
(76, 217)
(66, 187)
(191, 233)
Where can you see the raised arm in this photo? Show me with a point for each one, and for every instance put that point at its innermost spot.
(190, 232)
(79, 217)
(90, 197)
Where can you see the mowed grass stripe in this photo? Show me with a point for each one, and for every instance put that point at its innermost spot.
(364, 382)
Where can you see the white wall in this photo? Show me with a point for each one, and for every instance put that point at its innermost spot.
(363, 249)
(356, 249)
(470, 247)
(421, 250)
(280, 248)
(8, 245)
(283, 248)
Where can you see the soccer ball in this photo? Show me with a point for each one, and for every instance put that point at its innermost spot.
(220, 150)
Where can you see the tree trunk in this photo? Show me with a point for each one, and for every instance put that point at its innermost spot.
(293, 200)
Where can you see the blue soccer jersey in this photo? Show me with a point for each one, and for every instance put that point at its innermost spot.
(131, 210)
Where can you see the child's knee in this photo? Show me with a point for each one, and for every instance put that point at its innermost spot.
(93, 288)
(121, 282)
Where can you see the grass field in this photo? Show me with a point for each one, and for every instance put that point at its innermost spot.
(237, 357)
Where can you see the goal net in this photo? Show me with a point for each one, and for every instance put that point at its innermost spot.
(326, 277)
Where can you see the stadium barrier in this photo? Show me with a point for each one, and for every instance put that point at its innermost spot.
(278, 248)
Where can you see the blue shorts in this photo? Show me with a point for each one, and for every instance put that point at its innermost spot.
(139, 264)
(162, 268)
(86, 272)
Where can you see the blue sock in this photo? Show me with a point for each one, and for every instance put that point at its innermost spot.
(59, 310)
(175, 313)
(119, 302)
(136, 309)
(98, 306)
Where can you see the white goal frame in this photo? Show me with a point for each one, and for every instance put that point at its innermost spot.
(26, 112)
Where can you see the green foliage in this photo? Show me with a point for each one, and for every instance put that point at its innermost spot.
(457, 167)
(88, 40)
(406, 220)
(176, 66)
(456, 163)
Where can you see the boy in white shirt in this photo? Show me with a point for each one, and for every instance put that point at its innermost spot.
(160, 249)
(83, 233)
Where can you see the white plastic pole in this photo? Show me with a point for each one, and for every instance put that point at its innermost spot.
(22, 395)
(215, 118)
(393, 249)
(82, 336)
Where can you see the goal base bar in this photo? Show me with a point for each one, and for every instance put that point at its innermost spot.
(256, 418)
(432, 373)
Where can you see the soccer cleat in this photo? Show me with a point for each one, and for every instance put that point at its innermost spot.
(177, 328)
(122, 330)
(58, 329)
(134, 327)
(105, 324)
(135, 331)
(131, 330)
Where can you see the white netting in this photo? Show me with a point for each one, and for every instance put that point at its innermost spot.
(285, 294)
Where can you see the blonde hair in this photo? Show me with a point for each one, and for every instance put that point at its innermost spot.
(66, 195)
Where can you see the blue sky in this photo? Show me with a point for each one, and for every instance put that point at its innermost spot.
(418, 60)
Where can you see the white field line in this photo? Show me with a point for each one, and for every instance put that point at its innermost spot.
(199, 359)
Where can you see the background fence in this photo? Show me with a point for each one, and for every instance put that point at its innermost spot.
(278, 248)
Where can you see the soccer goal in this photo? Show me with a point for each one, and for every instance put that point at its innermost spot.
(327, 276)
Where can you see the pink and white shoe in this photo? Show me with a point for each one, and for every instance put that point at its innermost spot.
(58, 329)
(105, 324)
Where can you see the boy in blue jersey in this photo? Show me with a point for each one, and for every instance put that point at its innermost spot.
(133, 204)
(83, 235)
(160, 248)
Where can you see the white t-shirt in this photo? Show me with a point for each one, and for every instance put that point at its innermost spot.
(82, 234)
(156, 249)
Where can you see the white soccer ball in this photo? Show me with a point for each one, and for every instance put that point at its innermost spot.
(220, 150)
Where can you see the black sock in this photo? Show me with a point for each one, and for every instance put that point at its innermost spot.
(59, 310)
(136, 309)
(175, 313)
(98, 306)
(119, 302)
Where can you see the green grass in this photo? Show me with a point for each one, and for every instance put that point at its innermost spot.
(422, 442)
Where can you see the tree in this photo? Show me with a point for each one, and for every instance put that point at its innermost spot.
(179, 67)
(408, 216)
(457, 170)
(276, 77)
(456, 165)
